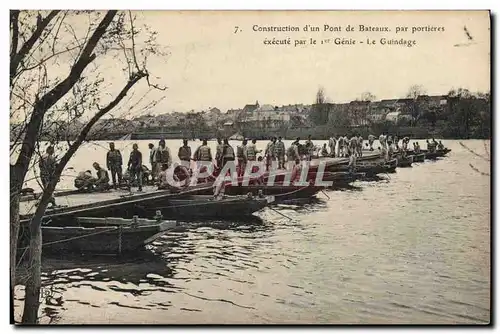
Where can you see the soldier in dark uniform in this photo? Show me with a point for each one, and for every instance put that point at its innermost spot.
(47, 167)
(185, 153)
(114, 164)
(135, 166)
(152, 160)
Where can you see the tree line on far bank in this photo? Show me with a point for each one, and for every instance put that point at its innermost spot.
(465, 115)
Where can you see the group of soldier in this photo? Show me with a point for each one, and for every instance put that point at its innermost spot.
(275, 154)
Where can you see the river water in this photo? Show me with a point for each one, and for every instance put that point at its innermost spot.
(411, 249)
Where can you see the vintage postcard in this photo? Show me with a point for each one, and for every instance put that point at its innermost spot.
(250, 167)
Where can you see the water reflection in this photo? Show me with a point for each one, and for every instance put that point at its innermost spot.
(150, 271)
(412, 248)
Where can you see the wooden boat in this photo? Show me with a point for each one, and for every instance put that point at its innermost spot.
(371, 169)
(418, 157)
(112, 203)
(432, 155)
(332, 164)
(208, 207)
(28, 194)
(391, 164)
(281, 193)
(342, 179)
(403, 161)
(99, 235)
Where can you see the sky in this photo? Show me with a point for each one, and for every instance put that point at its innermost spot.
(212, 66)
(209, 65)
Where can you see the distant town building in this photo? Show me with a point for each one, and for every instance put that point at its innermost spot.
(251, 107)
(262, 116)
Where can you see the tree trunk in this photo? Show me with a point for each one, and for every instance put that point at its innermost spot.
(34, 282)
(15, 193)
(14, 234)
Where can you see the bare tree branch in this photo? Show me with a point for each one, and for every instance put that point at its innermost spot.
(478, 171)
(155, 85)
(48, 100)
(76, 144)
(18, 57)
(57, 32)
(473, 152)
(14, 21)
(50, 57)
(133, 41)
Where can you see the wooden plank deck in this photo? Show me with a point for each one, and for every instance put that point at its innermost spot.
(367, 156)
(82, 202)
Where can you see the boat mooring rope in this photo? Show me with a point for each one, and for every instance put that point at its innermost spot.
(61, 241)
(293, 191)
(73, 238)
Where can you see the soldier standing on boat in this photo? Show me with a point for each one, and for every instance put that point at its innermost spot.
(404, 143)
(332, 142)
(340, 147)
(396, 143)
(431, 146)
(389, 141)
(252, 151)
(102, 181)
(114, 164)
(162, 155)
(346, 146)
(152, 160)
(135, 166)
(293, 154)
(227, 153)
(353, 146)
(360, 146)
(202, 155)
(279, 151)
(434, 144)
(309, 148)
(270, 154)
(440, 146)
(203, 152)
(185, 154)
(218, 153)
(371, 140)
(416, 147)
(241, 154)
(47, 167)
(383, 144)
(324, 151)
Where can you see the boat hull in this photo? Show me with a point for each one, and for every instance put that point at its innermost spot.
(419, 157)
(107, 204)
(98, 239)
(206, 207)
(280, 193)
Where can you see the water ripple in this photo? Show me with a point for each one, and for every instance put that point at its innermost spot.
(413, 248)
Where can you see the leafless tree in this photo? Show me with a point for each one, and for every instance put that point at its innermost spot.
(485, 157)
(360, 113)
(367, 96)
(57, 64)
(319, 111)
(415, 91)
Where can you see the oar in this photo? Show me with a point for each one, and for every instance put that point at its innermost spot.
(325, 194)
(280, 213)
